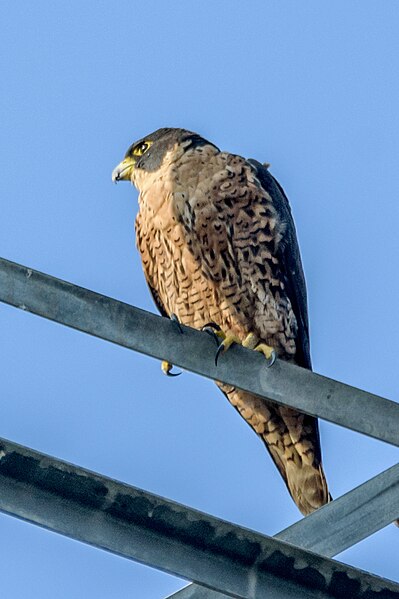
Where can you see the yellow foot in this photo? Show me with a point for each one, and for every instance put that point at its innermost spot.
(166, 368)
(227, 342)
(268, 352)
(223, 341)
(251, 341)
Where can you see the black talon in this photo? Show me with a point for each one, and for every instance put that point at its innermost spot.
(218, 352)
(210, 329)
(166, 368)
(173, 373)
(211, 325)
(174, 319)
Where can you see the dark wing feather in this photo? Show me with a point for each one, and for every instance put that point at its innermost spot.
(290, 263)
(294, 279)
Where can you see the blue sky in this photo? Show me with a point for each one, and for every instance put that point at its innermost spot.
(311, 88)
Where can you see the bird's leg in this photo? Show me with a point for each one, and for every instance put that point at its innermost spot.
(166, 366)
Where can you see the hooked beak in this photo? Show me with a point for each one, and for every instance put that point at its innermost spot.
(123, 171)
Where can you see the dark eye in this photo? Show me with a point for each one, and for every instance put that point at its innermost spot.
(139, 150)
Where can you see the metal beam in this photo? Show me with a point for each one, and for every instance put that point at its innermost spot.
(136, 329)
(336, 526)
(350, 518)
(194, 591)
(141, 526)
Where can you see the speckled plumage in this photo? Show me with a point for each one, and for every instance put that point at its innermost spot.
(218, 244)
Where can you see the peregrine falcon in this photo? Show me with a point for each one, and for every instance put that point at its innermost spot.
(218, 245)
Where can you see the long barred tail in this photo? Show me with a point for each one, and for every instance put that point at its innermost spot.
(292, 440)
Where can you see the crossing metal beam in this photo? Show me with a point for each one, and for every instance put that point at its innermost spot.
(226, 561)
(141, 526)
(136, 329)
(350, 518)
(336, 526)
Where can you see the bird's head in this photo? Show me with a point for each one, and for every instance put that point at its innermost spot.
(147, 154)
